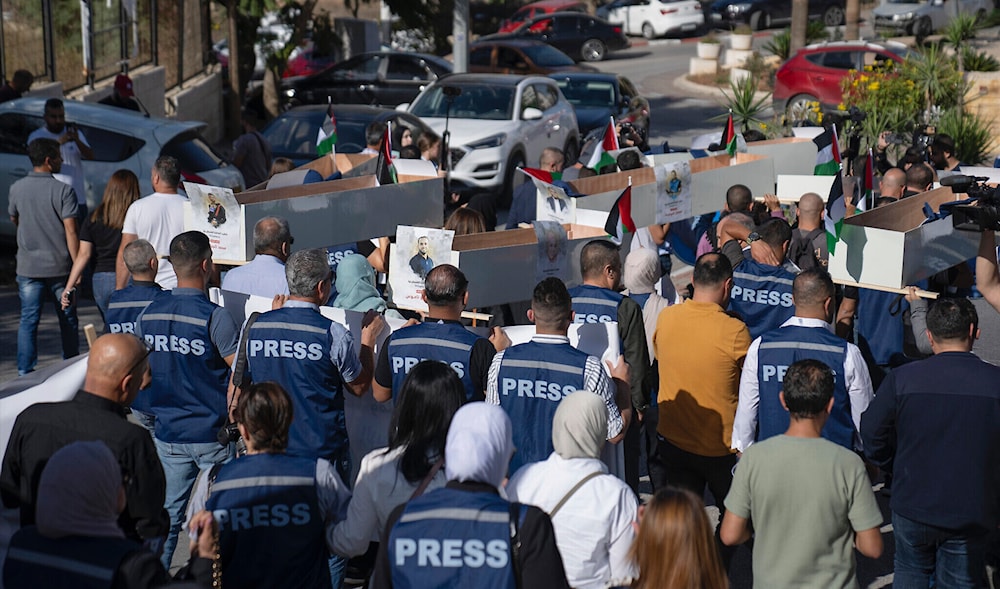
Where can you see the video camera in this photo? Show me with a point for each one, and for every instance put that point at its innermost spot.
(983, 216)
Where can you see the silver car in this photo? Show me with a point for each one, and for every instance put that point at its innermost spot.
(120, 139)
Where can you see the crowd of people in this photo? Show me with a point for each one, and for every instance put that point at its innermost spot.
(762, 384)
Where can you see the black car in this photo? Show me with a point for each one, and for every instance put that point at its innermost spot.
(377, 79)
(763, 14)
(580, 36)
(598, 97)
(293, 134)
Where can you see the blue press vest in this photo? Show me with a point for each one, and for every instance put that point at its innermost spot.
(291, 346)
(125, 305)
(271, 531)
(73, 562)
(451, 538)
(593, 304)
(779, 349)
(876, 325)
(532, 380)
(450, 343)
(190, 377)
(334, 254)
(762, 295)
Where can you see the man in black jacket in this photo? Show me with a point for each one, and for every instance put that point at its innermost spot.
(117, 369)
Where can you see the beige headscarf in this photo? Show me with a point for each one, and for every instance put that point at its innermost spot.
(580, 426)
(641, 271)
(78, 493)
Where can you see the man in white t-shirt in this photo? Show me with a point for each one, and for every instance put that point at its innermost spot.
(73, 147)
(157, 218)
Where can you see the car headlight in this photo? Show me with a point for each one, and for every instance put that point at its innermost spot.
(491, 141)
(904, 16)
(739, 8)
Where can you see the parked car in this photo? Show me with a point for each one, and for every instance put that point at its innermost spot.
(597, 97)
(293, 134)
(764, 14)
(120, 139)
(307, 61)
(530, 11)
(656, 18)
(921, 18)
(580, 36)
(498, 123)
(814, 73)
(378, 79)
(520, 56)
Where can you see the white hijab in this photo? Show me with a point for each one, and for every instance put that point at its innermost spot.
(479, 445)
(79, 493)
(580, 426)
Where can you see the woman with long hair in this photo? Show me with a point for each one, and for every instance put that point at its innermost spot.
(389, 477)
(676, 546)
(466, 221)
(100, 236)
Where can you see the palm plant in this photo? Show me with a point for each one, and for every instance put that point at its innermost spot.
(744, 103)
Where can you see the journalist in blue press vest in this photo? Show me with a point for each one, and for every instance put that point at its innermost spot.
(440, 337)
(465, 534)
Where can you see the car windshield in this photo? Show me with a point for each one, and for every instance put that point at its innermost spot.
(591, 93)
(297, 134)
(546, 55)
(493, 103)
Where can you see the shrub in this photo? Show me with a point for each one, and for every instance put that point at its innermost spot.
(978, 61)
(971, 133)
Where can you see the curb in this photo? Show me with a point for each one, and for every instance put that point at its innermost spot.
(682, 83)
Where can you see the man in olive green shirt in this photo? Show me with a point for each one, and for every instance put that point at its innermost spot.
(810, 500)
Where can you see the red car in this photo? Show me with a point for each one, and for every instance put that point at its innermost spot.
(543, 7)
(815, 72)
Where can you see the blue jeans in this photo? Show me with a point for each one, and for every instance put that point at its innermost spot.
(181, 465)
(926, 553)
(32, 291)
(104, 285)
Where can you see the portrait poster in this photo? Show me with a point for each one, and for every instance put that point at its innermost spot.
(214, 211)
(553, 204)
(416, 251)
(673, 192)
(552, 251)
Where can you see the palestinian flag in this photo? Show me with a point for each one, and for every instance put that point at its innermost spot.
(728, 141)
(827, 153)
(601, 157)
(836, 209)
(327, 138)
(869, 189)
(385, 171)
(619, 221)
(543, 179)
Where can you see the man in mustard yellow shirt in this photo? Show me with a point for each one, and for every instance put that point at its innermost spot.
(700, 350)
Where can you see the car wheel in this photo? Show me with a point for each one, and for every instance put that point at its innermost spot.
(798, 105)
(593, 50)
(760, 20)
(922, 27)
(510, 174)
(647, 31)
(570, 152)
(833, 16)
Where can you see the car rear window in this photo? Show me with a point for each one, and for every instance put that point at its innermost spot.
(193, 153)
(591, 93)
(110, 146)
(546, 55)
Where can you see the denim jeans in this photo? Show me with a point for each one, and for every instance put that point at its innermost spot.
(104, 285)
(181, 465)
(926, 553)
(32, 291)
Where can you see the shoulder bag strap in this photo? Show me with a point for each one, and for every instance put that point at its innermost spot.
(576, 487)
(428, 478)
(239, 368)
(517, 514)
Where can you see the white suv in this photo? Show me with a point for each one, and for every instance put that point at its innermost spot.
(497, 123)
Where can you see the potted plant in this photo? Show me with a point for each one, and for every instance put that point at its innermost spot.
(709, 47)
(742, 38)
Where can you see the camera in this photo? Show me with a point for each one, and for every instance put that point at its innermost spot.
(984, 216)
(228, 434)
(897, 138)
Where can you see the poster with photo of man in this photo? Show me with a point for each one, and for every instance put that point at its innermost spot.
(553, 204)
(214, 211)
(417, 251)
(673, 192)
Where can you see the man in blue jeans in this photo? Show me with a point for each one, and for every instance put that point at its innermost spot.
(935, 424)
(193, 343)
(44, 211)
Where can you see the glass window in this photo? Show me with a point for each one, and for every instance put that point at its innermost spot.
(547, 96)
(405, 68)
(480, 56)
(109, 146)
(840, 60)
(508, 58)
(14, 131)
(193, 153)
(363, 69)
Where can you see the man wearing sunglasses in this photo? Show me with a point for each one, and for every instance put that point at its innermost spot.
(118, 367)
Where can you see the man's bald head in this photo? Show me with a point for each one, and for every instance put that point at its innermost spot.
(893, 183)
(810, 211)
(271, 236)
(445, 286)
(116, 367)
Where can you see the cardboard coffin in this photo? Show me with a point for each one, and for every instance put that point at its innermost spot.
(791, 155)
(501, 265)
(342, 211)
(710, 178)
(890, 247)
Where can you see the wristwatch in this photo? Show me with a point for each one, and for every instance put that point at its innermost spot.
(754, 236)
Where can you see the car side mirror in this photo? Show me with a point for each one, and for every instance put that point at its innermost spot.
(531, 114)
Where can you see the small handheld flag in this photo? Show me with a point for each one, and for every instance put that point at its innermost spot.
(619, 221)
(385, 171)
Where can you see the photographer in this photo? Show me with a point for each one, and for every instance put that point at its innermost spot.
(942, 154)
(631, 136)
(915, 153)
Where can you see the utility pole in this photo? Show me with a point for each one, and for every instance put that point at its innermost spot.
(460, 31)
(800, 18)
(852, 16)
